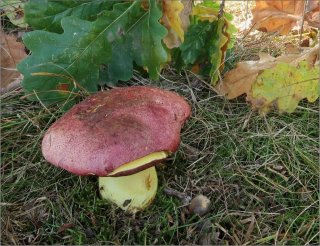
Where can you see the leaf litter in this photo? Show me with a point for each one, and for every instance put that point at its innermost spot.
(270, 81)
(12, 52)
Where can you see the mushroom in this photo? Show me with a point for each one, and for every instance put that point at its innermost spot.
(119, 135)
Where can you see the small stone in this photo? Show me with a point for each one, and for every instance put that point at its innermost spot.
(90, 233)
(199, 205)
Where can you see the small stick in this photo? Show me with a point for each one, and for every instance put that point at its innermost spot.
(12, 86)
(182, 196)
(302, 21)
(220, 15)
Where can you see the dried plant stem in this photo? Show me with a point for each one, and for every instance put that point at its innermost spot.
(302, 21)
(182, 196)
(221, 9)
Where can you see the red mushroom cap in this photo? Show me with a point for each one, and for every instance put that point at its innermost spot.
(114, 127)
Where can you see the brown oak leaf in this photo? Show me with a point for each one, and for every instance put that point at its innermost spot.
(12, 52)
(283, 15)
(239, 80)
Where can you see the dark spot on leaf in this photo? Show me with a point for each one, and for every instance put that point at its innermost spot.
(262, 29)
(63, 87)
(121, 31)
(101, 188)
(103, 67)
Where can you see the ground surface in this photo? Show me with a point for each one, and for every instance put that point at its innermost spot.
(260, 173)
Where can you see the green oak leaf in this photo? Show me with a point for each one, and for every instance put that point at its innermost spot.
(47, 14)
(194, 47)
(217, 50)
(215, 8)
(204, 48)
(121, 64)
(62, 64)
(230, 30)
(143, 45)
(148, 50)
(214, 5)
(206, 41)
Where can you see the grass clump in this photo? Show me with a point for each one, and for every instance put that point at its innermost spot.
(260, 174)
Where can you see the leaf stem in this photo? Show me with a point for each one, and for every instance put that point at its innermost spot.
(221, 9)
(302, 21)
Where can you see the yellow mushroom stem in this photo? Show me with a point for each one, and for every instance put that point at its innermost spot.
(133, 192)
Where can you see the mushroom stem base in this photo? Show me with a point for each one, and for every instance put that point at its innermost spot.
(132, 193)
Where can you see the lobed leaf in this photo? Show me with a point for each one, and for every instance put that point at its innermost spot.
(148, 50)
(47, 14)
(194, 47)
(282, 16)
(281, 81)
(62, 64)
(284, 86)
(206, 41)
(14, 53)
(221, 38)
(207, 11)
(173, 23)
(217, 50)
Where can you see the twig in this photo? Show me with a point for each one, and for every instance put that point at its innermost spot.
(182, 196)
(12, 86)
(221, 9)
(302, 21)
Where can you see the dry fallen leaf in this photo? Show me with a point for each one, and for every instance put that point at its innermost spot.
(239, 80)
(244, 79)
(313, 17)
(12, 52)
(282, 16)
(64, 227)
(283, 86)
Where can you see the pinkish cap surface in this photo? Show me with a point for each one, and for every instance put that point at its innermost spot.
(114, 127)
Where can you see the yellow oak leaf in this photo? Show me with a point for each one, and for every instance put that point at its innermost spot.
(239, 80)
(283, 86)
(243, 78)
(172, 21)
(205, 13)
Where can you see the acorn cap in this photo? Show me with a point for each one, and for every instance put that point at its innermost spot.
(115, 127)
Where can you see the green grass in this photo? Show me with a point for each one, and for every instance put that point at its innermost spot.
(260, 173)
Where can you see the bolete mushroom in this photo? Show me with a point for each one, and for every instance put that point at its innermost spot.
(119, 135)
